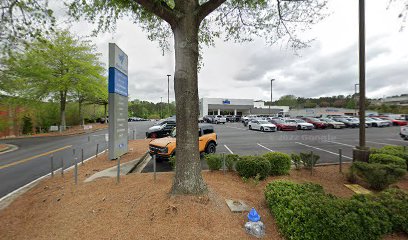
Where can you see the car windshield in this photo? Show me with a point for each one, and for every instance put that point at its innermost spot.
(278, 121)
(299, 121)
(315, 119)
(327, 120)
(263, 122)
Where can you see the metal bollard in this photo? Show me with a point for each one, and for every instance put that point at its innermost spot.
(154, 167)
(52, 166)
(73, 151)
(76, 171)
(62, 167)
(311, 162)
(340, 161)
(89, 138)
(97, 149)
(134, 134)
(223, 163)
(118, 173)
(405, 148)
(82, 156)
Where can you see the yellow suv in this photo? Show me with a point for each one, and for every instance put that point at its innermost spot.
(166, 147)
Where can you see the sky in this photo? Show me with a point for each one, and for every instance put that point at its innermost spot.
(243, 70)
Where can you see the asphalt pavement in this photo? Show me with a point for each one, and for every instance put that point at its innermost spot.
(32, 159)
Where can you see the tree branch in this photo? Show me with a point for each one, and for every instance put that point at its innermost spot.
(160, 9)
(208, 8)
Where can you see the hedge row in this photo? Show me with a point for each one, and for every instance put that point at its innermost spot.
(306, 212)
(392, 150)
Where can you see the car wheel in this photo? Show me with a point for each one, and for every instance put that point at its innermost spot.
(223, 123)
(262, 129)
(298, 127)
(211, 148)
(250, 128)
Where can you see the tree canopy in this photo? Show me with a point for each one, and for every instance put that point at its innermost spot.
(61, 68)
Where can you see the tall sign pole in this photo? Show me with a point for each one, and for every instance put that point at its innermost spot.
(168, 94)
(118, 102)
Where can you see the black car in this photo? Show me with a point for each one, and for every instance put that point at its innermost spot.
(161, 129)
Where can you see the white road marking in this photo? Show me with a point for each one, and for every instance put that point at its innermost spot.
(270, 150)
(380, 143)
(341, 143)
(228, 149)
(322, 150)
(396, 140)
(236, 128)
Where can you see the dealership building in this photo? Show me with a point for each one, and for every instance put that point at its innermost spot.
(229, 106)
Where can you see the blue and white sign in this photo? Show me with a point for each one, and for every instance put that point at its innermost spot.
(118, 102)
(118, 82)
(226, 101)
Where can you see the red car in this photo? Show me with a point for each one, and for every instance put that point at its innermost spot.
(283, 126)
(395, 122)
(316, 122)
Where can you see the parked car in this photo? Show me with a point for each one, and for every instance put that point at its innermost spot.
(300, 124)
(165, 148)
(378, 122)
(219, 119)
(161, 129)
(348, 122)
(262, 125)
(404, 132)
(237, 118)
(283, 126)
(395, 122)
(316, 122)
(230, 118)
(333, 124)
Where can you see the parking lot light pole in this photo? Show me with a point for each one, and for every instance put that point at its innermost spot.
(361, 152)
(161, 107)
(168, 94)
(271, 98)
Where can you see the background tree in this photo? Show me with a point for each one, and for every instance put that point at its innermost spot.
(287, 100)
(192, 22)
(55, 68)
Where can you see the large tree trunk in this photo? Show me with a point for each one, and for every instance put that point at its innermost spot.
(63, 101)
(188, 178)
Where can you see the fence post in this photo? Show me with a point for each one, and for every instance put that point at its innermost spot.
(76, 171)
(340, 161)
(134, 134)
(52, 166)
(82, 156)
(97, 149)
(62, 166)
(154, 167)
(73, 151)
(89, 138)
(311, 162)
(223, 163)
(118, 173)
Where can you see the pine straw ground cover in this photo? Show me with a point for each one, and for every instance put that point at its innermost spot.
(139, 208)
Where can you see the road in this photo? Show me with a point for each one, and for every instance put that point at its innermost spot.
(33, 157)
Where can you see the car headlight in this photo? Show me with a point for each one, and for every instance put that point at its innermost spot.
(164, 150)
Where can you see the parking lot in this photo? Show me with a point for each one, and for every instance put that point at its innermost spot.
(237, 139)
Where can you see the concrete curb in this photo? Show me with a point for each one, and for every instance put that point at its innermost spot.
(9, 198)
(125, 169)
(10, 148)
(62, 135)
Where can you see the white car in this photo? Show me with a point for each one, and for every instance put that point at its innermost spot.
(378, 122)
(333, 124)
(404, 132)
(301, 124)
(219, 119)
(262, 125)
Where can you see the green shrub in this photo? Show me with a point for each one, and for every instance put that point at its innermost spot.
(296, 160)
(378, 176)
(280, 163)
(214, 161)
(230, 160)
(387, 159)
(251, 166)
(308, 159)
(392, 150)
(304, 211)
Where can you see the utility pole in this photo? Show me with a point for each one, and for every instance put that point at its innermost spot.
(355, 98)
(161, 107)
(168, 94)
(361, 152)
(270, 114)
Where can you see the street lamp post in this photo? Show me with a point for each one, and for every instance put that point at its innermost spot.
(355, 99)
(361, 152)
(168, 94)
(270, 114)
(161, 107)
